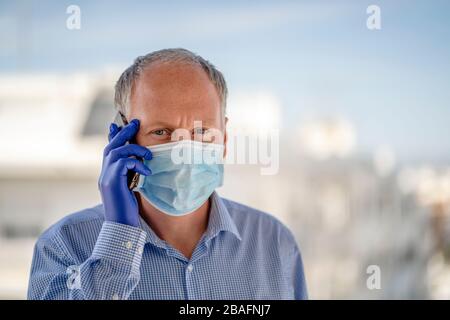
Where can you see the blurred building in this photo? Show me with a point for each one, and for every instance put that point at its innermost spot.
(53, 127)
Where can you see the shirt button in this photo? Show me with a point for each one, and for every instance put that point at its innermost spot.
(128, 244)
(115, 296)
(140, 250)
(190, 268)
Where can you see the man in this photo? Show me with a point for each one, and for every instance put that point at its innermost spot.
(171, 236)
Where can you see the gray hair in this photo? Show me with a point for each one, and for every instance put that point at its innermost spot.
(126, 81)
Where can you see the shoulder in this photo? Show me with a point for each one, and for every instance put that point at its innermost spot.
(252, 222)
(83, 225)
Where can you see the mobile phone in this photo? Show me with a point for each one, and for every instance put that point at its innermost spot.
(133, 177)
(120, 119)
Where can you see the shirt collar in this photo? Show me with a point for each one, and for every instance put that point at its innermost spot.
(219, 220)
(151, 235)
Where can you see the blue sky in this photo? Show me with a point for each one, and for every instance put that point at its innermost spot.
(317, 57)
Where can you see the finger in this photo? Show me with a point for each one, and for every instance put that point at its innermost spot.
(130, 164)
(130, 150)
(124, 135)
(113, 130)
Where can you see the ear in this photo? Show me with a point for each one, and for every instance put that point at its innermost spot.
(225, 138)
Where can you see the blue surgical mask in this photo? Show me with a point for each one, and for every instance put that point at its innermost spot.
(184, 175)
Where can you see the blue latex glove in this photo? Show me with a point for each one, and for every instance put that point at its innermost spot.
(118, 200)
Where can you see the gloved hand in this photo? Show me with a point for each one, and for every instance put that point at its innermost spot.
(118, 200)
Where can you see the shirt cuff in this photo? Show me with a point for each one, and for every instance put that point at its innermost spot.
(120, 242)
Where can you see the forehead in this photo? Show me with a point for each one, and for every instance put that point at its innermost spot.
(174, 85)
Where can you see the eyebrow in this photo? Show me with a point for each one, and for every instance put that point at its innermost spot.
(160, 124)
(170, 125)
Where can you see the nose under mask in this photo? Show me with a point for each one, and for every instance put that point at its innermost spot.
(184, 175)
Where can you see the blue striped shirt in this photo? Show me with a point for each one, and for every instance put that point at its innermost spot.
(243, 254)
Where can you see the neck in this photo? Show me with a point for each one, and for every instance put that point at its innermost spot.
(182, 233)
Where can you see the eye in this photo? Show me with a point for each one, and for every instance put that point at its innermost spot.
(204, 135)
(200, 131)
(160, 132)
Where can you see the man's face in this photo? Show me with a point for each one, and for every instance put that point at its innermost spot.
(171, 96)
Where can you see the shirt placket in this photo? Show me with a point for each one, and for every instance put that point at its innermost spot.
(192, 275)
